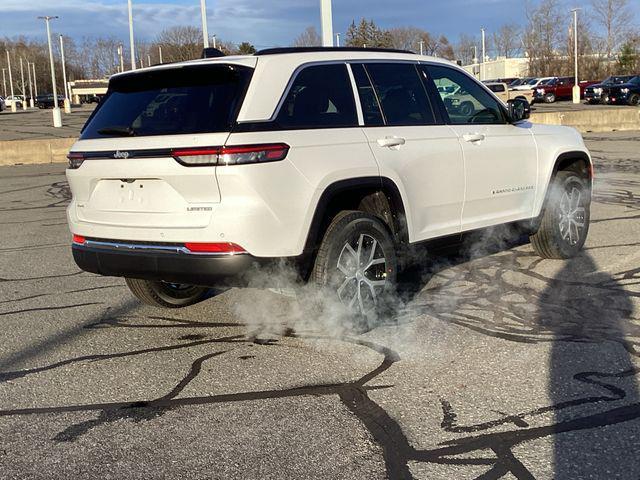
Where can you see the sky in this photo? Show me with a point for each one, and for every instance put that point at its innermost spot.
(264, 23)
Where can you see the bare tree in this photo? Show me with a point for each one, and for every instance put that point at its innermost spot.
(615, 19)
(180, 43)
(544, 35)
(507, 40)
(308, 38)
(466, 49)
(406, 38)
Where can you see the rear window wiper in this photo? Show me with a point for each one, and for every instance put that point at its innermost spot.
(117, 130)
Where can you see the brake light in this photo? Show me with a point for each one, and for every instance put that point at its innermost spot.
(75, 160)
(238, 155)
(79, 239)
(225, 247)
(197, 157)
(232, 155)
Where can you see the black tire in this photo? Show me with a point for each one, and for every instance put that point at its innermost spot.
(336, 270)
(549, 98)
(559, 234)
(166, 295)
(634, 100)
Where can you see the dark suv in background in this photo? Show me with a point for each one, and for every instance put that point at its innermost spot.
(625, 93)
(598, 93)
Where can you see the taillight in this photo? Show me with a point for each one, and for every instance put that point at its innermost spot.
(79, 239)
(75, 160)
(238, 155)
(225, 247)
(197, 157)
(232, 155)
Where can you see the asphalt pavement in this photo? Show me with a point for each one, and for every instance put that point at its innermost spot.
(497, 365)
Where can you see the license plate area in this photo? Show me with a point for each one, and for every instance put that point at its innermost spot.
(135, 195)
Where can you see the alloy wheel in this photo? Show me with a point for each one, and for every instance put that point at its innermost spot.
(572, 215)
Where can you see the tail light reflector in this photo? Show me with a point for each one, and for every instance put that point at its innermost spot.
(79, 239)
(225, 247)
(75, 160)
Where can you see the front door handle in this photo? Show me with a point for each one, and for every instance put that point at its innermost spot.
(473, 137)
(391, 141)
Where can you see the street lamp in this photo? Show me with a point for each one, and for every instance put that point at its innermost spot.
(337, 39)
(14, 109)
(35, 80)
(160, 50)
(24, 90)
(31, 103)
(205, 32)
(57, 116)
(67, 101)
(4, 82)
(421, 47)
(482, 69)
(121, 57)
(131, 43)
(576, 85)
(326, 20)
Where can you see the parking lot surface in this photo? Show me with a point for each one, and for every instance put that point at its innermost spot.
(35, 124)
(498, 365)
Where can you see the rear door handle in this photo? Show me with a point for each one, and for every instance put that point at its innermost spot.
(473, 137)
(391, 141)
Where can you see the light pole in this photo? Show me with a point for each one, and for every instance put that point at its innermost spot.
(326, 20)
(31, 103)
(148, 60)
(215, 44)
(337, 39)
(4, 82)
(421, 47)
(131, 42)
(24, 90)
(121, 57)
(14, 109)
(57, 116)
(205, 32)
(67, 97)
(160, 51)
(35, 80)
(576, 85)
(482, 72)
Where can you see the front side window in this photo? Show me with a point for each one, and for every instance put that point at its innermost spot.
(470, 103)
(401, 94)
(320, 96)
(172, 101)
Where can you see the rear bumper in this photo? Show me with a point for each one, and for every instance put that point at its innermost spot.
(194, 269)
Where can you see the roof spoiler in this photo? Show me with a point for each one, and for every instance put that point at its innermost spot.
(211, 53)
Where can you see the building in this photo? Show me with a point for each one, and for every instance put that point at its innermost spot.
(499, 68)
(87, 88)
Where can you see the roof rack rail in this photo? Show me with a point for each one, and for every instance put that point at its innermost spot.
(280, 50)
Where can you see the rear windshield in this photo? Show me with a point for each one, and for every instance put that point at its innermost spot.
(185, 100)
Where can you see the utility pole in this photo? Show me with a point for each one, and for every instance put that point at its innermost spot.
(31, 103)
(14, 109)
(205, 31)
(35, 80)
(576, 85)
(24, 90)
(131, 42)
(160, 51)
(326, 20)
(67, 96)
(57, 115)
(482, 72)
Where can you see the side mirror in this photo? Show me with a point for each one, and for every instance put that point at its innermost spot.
(519, 109)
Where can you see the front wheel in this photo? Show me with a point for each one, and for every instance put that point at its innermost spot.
(357, 264)
(166, 295)
(549, 98)
(565, 222)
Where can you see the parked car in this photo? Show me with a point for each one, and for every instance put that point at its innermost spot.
(501, 90)
(47, 101)
(338, 161)
(558, 88)
(532, 83)
(598, 93)
(2, 104)
(625, 93)
(520, 81)
(18, 99)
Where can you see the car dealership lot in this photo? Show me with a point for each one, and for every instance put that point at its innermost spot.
(498, 362)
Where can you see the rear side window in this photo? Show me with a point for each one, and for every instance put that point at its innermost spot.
(320, 96)
(496, 87)
(185, 100)
(401, 94)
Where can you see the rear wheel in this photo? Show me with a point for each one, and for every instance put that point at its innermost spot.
(549, 98)
(357, 264)
(166, 295)
(565, 222)
(634, 100)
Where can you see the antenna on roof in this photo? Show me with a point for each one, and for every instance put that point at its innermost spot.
(211, 52)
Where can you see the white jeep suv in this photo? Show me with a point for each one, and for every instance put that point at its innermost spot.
(193, 175)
